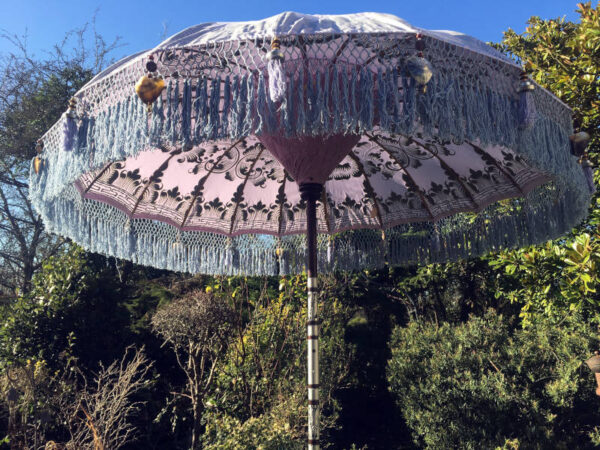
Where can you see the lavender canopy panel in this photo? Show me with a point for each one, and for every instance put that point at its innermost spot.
(198, 185)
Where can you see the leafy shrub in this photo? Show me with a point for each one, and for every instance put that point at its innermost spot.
(260, 396)
(269, 431)
(75, 305)
(481, 385)
(553, 280)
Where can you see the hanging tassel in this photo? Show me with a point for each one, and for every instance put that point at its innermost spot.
(354, 101)
(287, 110)
(365, 102)
(237, 102)
(325, 111)
(436, 245)
(200, 110)
(82, 131)
(300, 112)
(186, 113)
(344, 113)
(158, 118)
(336, 101)
(382, 97)
(579, 143)
(275, 70)
(226, 106)
(527, 110)
(330, 251)
(212, 124)
(168, 125)
(250, 107)
(311, 107)
(588, 172)
(261, 104)
(70, 126)
(175, 115)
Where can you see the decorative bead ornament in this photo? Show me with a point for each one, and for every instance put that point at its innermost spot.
(38, 161)
(70, 126)
(527, 110)
(579, 142)
(418, 67)
(149, 87)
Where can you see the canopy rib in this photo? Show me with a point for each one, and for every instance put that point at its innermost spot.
(368, 187)
(340, 49)
(455, 174)
(153, 177)
(97, 177)
(325, 209)
(237, 204)
(373, 138)
(483, 154)
(202, 181)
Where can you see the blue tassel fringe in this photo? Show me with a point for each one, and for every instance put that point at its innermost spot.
(338, 100)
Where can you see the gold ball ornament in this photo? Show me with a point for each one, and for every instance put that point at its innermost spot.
(420, 70)
(148, 89)
(37, 164)
(38, 161)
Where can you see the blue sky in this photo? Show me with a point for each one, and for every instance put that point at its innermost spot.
(142, 23)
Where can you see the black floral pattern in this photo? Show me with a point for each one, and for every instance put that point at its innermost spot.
(385, 180)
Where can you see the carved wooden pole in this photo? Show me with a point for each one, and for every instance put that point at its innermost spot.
(311, 192)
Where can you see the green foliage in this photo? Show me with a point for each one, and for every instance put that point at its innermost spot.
(481, 385)
(269, 431)
(451, 291)
(73, 302)
(556, 279)
(261, 385)
(23, 122)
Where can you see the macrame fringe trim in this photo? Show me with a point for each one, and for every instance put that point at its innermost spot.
(101, 228)
(340, 100)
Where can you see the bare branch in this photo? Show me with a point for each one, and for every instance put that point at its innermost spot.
(197, 326)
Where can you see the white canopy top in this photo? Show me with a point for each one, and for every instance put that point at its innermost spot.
(293, 23)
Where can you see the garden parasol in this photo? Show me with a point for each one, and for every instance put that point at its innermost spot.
(325, 142)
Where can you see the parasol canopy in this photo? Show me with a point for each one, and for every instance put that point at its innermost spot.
(216, 158)
(248, 140)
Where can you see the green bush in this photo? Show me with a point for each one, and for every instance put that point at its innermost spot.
(260, 387)
(483, 385)
(74, 306)
(269, 431)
